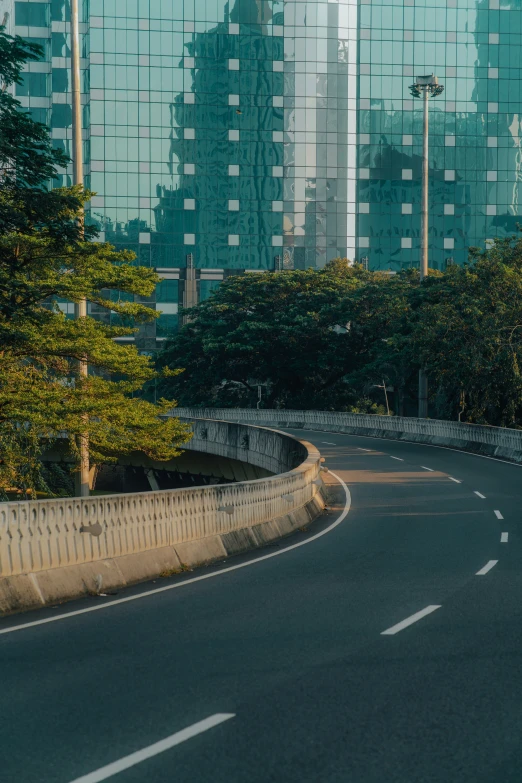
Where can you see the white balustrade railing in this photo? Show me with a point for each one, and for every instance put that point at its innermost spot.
(44, 534)
(500, 441)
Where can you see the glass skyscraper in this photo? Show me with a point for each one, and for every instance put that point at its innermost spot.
(220, 135)
(228, 136)
(475, 127)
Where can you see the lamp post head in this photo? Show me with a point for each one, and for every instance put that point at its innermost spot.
(429, 84)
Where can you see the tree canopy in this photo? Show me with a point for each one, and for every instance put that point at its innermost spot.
(290, 332)
(328, 339)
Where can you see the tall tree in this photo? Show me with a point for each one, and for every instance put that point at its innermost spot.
(467, 329)
(44, 260)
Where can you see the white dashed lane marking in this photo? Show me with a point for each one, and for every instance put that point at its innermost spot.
(410, 620)
(489, 565)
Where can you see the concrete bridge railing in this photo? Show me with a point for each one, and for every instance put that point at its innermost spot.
(44, 556)
(492, 441)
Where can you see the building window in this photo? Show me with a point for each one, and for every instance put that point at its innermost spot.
(406, 209)
(34, 84)
(167, 291)
(449, 141)
(491, 176)
(364, 242)
(277, 241)
(233, 170)
(233, 135)
(492, 141)
(189, 203)
(277, 206)
(491, 209)
(189, 239)
(449, 175)
(449, 243)
(277, 101)
(189, 168)
(189, 133)
(277, 136)
(189, 97)
(406, 242)
(364, 208)
(233, 205)
(32, 14)
(407, 139)
(407, 174)
(233, 239)
(449, 209)
(233, 29)
(364, 173)
(144, 238)
(233, 100)
(188, 62)
(277, 171)
(233, 65)
(278, 65)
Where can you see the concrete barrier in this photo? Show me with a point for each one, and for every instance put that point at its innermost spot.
(45, 557)
(491, 441)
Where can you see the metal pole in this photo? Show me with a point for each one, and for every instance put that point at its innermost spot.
(386, 395)
(423, 379)
(80, 308)
(424, 229)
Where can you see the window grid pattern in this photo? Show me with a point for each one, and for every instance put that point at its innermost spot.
(475, 127)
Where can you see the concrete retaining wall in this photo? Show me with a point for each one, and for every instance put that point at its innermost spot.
(492, 441)
(44, 556)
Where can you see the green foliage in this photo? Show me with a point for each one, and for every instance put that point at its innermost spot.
(328, 339)
(468, 331)
(46, 257)
(289, 331)
(26, 156)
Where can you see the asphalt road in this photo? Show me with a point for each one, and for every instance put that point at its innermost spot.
(287, 656)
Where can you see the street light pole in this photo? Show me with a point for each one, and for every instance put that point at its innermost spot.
(80, 308)
(427, 87)
(425, 170)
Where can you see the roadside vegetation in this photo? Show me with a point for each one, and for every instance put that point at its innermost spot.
(330, 339)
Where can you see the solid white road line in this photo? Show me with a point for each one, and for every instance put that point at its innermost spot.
(176, 585)
(153, 750)
(410, 620)
(504, 538)
(498, 514)
(398, 458)
(425, 468)
(327, 443)
(489, 565)
(480, 495)
(455, 480)
(360, 449)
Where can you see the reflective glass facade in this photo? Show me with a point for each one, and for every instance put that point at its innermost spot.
(218, 133)
(475, 127)
(242, 135)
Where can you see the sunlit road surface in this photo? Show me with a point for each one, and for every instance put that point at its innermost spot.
(387, 649)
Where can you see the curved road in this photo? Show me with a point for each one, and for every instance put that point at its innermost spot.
(386, 650)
